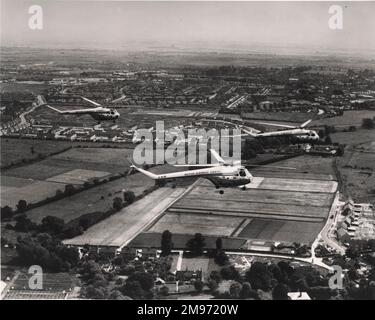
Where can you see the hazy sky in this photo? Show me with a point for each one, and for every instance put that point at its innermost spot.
(189, 24)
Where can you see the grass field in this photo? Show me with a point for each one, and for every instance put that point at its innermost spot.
(31, 192)
(152, 239)
(349, 118)
(120, 228)
(305, 164)
(36, 181)
(193, 223)
(356, 168)
(14, 150)
(99, 198)
(95, 159)
(278, 209)
(353, 138)
(281, 230)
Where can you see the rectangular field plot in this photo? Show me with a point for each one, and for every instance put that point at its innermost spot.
(277, 230)
(14, 182)
(197, 223)
(298, 185)
(102, 155)
(152, 239)
(33, 192)
(120, 228)
(78, 176)
(99, 198)
(252, 207)
(269, 196)
(276, 209)
(94, 159)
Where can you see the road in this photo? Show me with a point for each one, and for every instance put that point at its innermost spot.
(327, 232)
(16, 126)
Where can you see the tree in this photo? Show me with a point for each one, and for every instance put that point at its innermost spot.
(24, 224)
(164, 290)
(328, 140)
(215, 275)
(132, 289)
(196, 244)
(230, 273)
(280, 292)
(259, 276)
(219, 244)
(235, 290)
(198, 285)
(246, 291)
(368, 123)
(166, 243)
(69, 189)
(221, 258)
(129, 197)
(146, 280)
(117, 203)
(52, 225)
(59, 193)
(22, 206)
(6, 212)
(212, 284)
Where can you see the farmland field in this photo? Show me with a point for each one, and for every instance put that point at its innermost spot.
(31, 192)
(193, 223)
(36, 181)
(147, 239)
(15, 150)
(96, 159)
(277, 209)
(352, 138)
(120, 228)
(349, 118)
(279, 230)
(99, 198)
(306, 164)
(356, 169)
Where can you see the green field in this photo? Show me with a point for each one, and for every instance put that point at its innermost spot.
(15, 150)
(353, 138)
(283, 208)
(356, 169)
(349, 118)
(99, 198)
(281, 230)
(95, 159)
(193, 223)
(38, 180)
(152, 239)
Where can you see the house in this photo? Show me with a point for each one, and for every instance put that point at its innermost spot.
(343, 235)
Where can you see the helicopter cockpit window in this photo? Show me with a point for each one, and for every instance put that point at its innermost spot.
(242, 173)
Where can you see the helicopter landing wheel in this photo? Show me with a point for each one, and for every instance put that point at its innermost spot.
(221, 191)
(243, 188)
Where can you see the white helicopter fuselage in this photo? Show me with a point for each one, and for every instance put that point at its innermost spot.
(221, 175)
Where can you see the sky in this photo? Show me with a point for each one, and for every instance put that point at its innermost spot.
(192, 25)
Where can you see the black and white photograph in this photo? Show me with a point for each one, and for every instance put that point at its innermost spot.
(187, 155)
